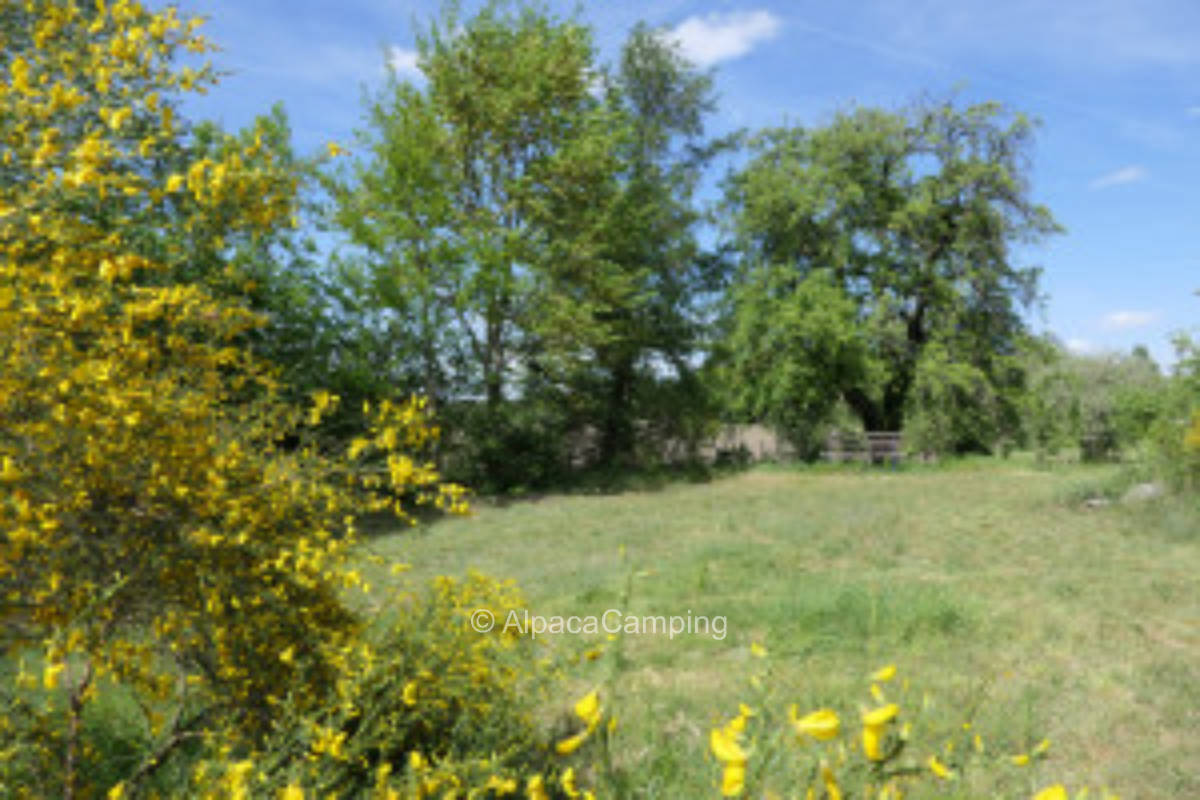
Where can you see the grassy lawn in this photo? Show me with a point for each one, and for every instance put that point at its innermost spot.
(987, 583)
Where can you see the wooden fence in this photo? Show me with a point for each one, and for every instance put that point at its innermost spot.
(759, 443)
(874, 447)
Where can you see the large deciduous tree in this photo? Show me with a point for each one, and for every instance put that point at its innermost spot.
(522, 224)
(917, 215)
(448, 207)
(647, 299)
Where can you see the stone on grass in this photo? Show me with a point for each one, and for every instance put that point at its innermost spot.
(1142, 492)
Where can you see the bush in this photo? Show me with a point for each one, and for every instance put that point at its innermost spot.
(952, 406)
(427, 705)
(521, 447)
(157, 539)
(1105, 405)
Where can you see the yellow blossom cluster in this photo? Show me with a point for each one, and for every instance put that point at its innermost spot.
(157, 531)
(417, 706)
(589, 712)
(884, 756)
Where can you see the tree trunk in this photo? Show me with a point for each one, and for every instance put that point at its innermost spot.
(616, 442)
(868, 411)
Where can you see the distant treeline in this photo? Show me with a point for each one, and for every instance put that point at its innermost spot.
(518, 238)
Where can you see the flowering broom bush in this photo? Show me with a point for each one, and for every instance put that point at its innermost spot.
(156, 541)
(428, 706)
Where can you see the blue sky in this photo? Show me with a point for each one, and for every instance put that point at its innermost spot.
(1115, 83)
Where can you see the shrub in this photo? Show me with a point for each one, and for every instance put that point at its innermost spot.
(1104, 404)
(156, 537)
(952, 406)
(426, 705)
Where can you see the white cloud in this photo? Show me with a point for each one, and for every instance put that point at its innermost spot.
(404, 61)
(1081, 346)
(719, 37)
(1130, 174)
(1124, 320)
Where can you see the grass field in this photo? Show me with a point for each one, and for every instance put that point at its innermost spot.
(988, 584)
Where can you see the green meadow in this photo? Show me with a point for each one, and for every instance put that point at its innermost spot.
(1002, 599)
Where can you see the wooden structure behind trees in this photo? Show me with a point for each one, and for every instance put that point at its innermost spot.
(873, 447)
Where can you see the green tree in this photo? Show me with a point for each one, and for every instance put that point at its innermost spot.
(916, 215)
(1049, 407)
(645, 297)
(475, 215)
(951, 405)
(524, 228)
(1175, 435)
(792, 340)
(1104, 404)
(307, 329)
(405, 269)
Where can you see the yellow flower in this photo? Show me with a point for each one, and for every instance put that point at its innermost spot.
(822, 724)
(501, 786)
(872, 737)
(288, 655)
(291, 792)
(733, 780)
(335, 150)
(410, 693)
(939, 769)
(9, 471)
(51, 673)
(832, 790)
(757, 650)
(588, 709)
(119, 117)
(874, 723)
(1055, 792)
(1041, 747)
(535, 789)
(1020, 760)
(881, 716)
(175, 183)
(725, 747)
(117, 792)
(19, 68)
(884, 674)
(571, 744)
(567, 781)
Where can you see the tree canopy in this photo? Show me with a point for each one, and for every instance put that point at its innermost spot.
(524, 228)
(918, 215)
